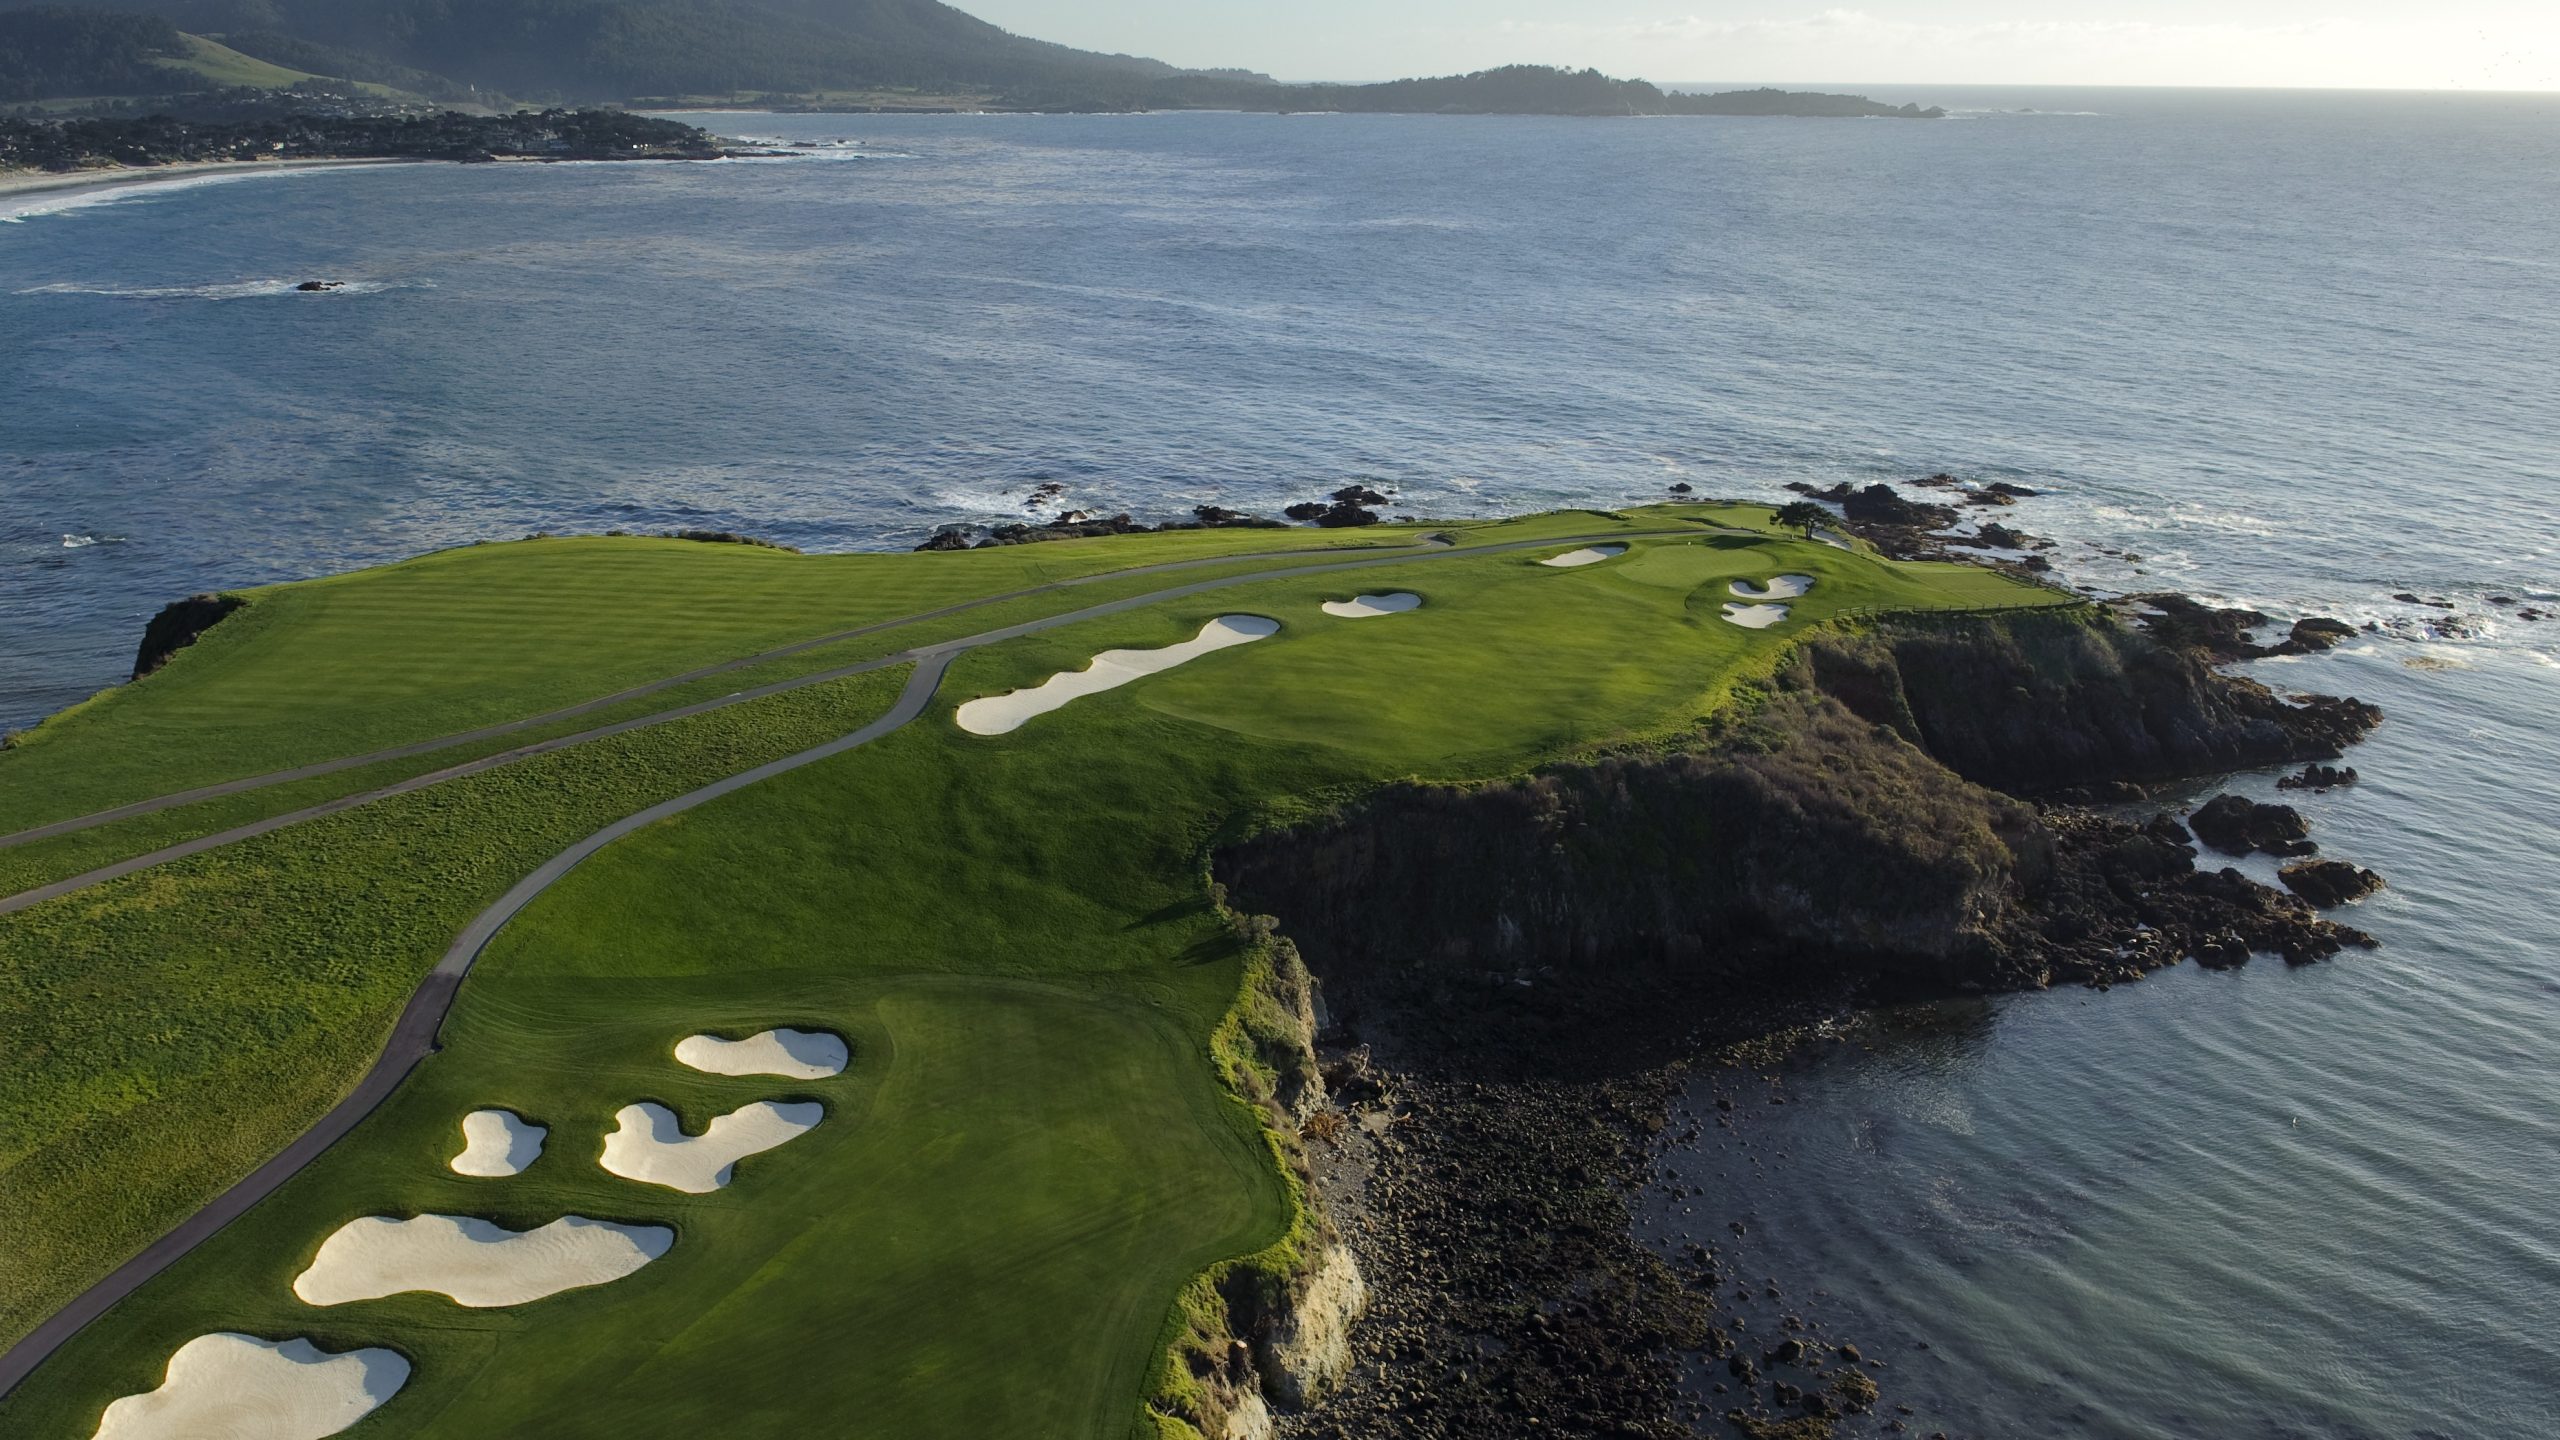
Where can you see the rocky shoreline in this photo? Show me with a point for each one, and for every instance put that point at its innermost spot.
(1507, 1051)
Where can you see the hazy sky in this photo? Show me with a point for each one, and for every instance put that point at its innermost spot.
(2451, 44)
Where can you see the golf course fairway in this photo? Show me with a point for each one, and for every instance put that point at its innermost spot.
(1042, 1134)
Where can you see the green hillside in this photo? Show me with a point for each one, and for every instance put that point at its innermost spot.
(617, 49)
(220, 65)
(55, 52)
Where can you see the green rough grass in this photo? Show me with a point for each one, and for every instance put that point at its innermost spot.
(1034, 1151)
(1021, 1170)
(463, 638)
(169, 1031)
(24, 867)
(220, 65)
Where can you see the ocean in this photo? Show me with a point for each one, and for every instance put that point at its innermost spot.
(2299, 351)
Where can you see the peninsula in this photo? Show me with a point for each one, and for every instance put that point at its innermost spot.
(527, 988)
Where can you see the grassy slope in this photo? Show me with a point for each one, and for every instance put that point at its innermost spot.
(221, 65)
(464, 638)
(981, 1253)
(168, 1031)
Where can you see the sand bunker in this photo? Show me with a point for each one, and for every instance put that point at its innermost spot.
(1753, 617)
(791, 1054)
(1003, 714)
(650, 1145)
(1366, 607)
(1592, 556)
(474, 1263)
(236, 1387)
(1785, 587)
(497, 1143)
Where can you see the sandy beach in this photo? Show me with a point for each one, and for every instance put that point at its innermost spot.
(15, 183)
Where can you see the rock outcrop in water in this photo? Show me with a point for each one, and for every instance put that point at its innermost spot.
(2329, 884)
(2036, 704)
(1076, 525)
(2237, 825)
(1818, 849)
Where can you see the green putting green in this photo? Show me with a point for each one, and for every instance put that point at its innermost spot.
(1032, 1151)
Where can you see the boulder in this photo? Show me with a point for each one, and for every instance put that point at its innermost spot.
(1880, 505)
(2319, 632)
(2237, 825)
(2329, 884)
(2319, 777)
(1218, 517)
(2164, 829)
(1357, 495)
(2190, 624)
(1342, 515)
(949, 537)
(319, 287)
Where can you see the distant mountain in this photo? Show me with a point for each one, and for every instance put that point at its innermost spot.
(1521, 90)
(810, 54)
(619, 49)
(54, 51)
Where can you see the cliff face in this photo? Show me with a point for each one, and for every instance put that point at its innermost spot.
(1305, 1352)
(1847, 838)
(2037, 703)
(1850, 832)
(180, 624)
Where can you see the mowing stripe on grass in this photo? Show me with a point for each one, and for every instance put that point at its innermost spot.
(1430, 549)
(319, 768)
(414, 1037)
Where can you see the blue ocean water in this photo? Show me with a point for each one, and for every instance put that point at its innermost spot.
(2297, 350)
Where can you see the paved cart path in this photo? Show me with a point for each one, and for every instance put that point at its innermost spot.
(414, 1036)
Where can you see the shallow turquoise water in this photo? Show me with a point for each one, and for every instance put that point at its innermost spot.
(2295, 350)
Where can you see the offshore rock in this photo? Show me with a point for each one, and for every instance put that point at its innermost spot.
(2319, 777)
(2319, 632)
(1882, 505)
(2329, 884)
(2237, 825)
